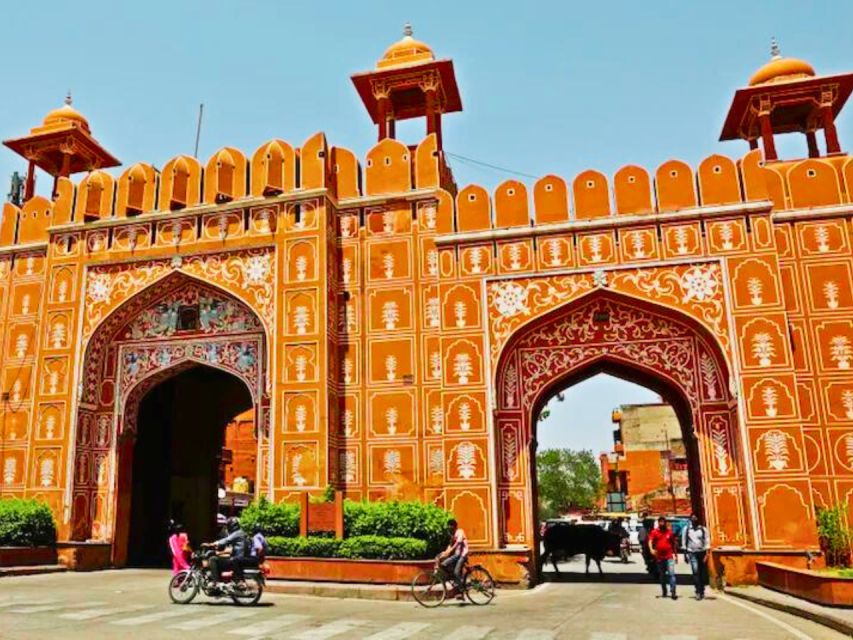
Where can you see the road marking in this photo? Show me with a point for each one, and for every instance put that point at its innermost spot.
(330, 630)
(399, 631)
(91, 614)
(679, 637)
(793, 631)
(469, 632)
(268, 626)
(53, 607)
(211, 621)
(536, 634)
(156, 616)
(25, 601)
(598, 635)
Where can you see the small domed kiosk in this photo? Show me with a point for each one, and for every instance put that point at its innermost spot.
(786, 95)
(409, 82)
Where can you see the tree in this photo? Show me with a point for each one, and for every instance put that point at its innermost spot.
(567, 479)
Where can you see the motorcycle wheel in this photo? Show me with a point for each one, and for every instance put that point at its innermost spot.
(183, 587)
(249, 596)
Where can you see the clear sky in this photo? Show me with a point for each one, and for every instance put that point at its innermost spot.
(546, 86)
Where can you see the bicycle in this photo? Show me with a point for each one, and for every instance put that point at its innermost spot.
(429, 588)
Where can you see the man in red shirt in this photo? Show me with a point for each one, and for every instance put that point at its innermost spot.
(662, 545)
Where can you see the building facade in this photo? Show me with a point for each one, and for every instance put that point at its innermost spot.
(397, 335)
(647, 471)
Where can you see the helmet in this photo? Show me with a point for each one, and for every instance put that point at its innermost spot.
(233, 525)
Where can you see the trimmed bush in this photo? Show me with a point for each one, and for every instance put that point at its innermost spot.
(273, 519)
(299, 547)
(26, 523)
(425, 522)
(359, 547)
(382, 548)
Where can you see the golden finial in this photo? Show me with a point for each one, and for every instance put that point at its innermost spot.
(407, 30)
(775, 53)
(68, 98)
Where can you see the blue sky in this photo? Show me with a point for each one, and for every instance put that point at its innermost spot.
(546, 86)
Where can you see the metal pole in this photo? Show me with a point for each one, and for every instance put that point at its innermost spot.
(198, 129)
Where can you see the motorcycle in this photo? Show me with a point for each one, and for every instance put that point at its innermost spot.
(185, 585)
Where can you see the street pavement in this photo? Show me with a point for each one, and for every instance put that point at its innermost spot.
(134, 604)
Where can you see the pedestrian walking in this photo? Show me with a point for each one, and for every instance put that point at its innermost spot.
(179, 545)
(662, 545)
(695, 542)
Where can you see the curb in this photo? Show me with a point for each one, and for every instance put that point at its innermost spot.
(8, 572)
(837, 624)
(392, 593)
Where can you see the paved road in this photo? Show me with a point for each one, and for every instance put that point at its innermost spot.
(134, 604)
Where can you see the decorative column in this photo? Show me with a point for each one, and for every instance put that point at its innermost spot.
(811, 140)
(30, 184)
(767, 136)
(383, 118)
(753, 144)
(829, 132)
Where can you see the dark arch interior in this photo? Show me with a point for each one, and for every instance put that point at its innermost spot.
(176, 459)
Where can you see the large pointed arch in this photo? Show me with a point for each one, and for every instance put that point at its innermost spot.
(176, 322)
(659, 348)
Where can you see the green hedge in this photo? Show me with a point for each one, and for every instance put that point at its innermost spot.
(274, 519)
(425, 522)
(382, 548)
(382, 520)
(369, 547)
(26, 523)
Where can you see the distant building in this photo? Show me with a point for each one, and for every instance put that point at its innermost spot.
(647, 469)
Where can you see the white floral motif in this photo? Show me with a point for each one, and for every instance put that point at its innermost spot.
(680, 234)
(391, 368)
(821, 236)
(347, 466)
(433, 312)
(553, 248)
(699, 283)
(392, 416)
(459, 311)
(847, 403)
(99, 288)
(10, 470)
(21, 345)
(727, 234)
(709, 375)
(466, 460)
(840, 351)
(638, 243)
(46, 472)
(763, 349)
(301, 319)
(755, 288)
(465, 416)
(349, 421)
(510, 383)
(776, 449)
(435, 364)
(436, 419)
(436, 463)
(25, 304)
(475, 255)
(595, 249)
(58, 335)
(770, 398)
(301, 267)
(256, 269)
(388, 265)
(300, 415)
(848, 449)
(347, 370)
(830, 293)
(720, 448)
(432, 262)
(462, 367)
(392, 462)
(295, 472)
(515, 256)
(509, 455)
(510, 299)
(300, 363)
(390, 315)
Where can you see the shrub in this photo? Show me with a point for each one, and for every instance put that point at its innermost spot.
(425, 522)
(835, 537)
(367, 547)
(328, 495)
(273, 519)
(300, 547)
(382, 548)
(26, 523)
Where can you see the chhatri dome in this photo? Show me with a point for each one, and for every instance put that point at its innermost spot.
(781, 69)
(64, 116)
(405, 51)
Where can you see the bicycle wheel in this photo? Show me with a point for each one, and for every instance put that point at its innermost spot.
(250, 595)
(183, 587)
(479, 586)
(428, 588)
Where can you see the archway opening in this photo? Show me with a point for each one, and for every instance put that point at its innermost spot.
(615, 447)
(180, 462)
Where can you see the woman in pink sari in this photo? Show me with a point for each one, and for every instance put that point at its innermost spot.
(179, 545)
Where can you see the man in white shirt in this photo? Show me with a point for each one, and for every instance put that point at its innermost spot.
(695, 542)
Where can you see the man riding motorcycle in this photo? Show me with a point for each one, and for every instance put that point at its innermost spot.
(239, 543)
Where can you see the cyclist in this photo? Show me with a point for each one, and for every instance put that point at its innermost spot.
(453, 558)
